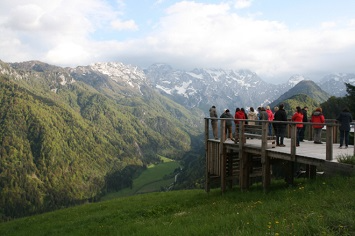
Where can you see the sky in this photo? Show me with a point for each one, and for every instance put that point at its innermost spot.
(274, 38)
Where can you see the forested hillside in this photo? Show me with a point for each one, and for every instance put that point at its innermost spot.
(312, 93)
(63, 141)
(301, 100)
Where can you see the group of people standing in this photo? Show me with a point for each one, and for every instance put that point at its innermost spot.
(279, 117)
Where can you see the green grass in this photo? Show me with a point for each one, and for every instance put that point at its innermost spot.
(151, 180)
(325, 206)
(346, 159)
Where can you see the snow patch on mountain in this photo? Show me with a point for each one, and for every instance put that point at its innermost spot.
(122, 74)
(195, 75)
(119, 71)
(295, 80)
(182, 89)
(166, 90)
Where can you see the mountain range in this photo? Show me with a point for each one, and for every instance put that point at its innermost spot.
(203, 88)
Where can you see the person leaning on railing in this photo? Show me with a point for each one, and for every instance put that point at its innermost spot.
(317, 117)
(214, 121)
(298, 117)
(239, 115)
(280, 128)
(228, 128)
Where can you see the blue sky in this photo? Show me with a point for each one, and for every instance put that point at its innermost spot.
(274, 38)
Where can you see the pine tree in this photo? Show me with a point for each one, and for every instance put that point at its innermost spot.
(350, 89)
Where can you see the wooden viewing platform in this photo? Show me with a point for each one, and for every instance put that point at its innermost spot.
(229, 162)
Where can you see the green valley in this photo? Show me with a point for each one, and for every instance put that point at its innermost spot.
(155, 178)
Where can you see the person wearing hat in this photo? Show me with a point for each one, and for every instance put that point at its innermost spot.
(228, 127)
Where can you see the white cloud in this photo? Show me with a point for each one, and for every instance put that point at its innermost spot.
(212, 35)
(157, 2)
(58, 31)
(124, 25)
(239, 4)
(67, 51)
(328, 25)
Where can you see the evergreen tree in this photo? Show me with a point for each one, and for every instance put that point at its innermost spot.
(350, 89)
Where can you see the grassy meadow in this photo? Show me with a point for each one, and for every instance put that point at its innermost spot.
(325, 206)
(151, 180)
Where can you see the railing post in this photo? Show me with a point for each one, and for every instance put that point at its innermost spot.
(292, 163)
(222, 156)
(293, 141)
(223, 130)
(243, 159)
(310, 132)
(265, 161)
(335, 132)
(207, 184)
(241, 132)
(206, 131)
(329, 143)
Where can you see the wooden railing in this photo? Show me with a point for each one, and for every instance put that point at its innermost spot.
(331, 131)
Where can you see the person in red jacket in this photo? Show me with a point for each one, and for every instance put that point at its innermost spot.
(318, 117)
(239, 114)
(298, 117)
(270, 118)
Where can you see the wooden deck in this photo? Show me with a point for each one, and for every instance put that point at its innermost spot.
(307, 149)
(231, 163)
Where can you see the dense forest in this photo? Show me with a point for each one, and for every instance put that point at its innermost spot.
(73, 145)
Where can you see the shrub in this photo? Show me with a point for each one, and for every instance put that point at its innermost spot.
(347, 159)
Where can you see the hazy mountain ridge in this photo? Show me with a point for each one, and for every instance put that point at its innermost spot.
(334, 84)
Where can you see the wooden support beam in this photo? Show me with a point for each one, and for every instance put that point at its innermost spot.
(265, 160)
(310, 132)
(291, 167)
(293, 142)
(329, 143)
(229, 175)
(222, 157)
(243, 160)
(207, 176)
(312, 173)
(243, 171)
